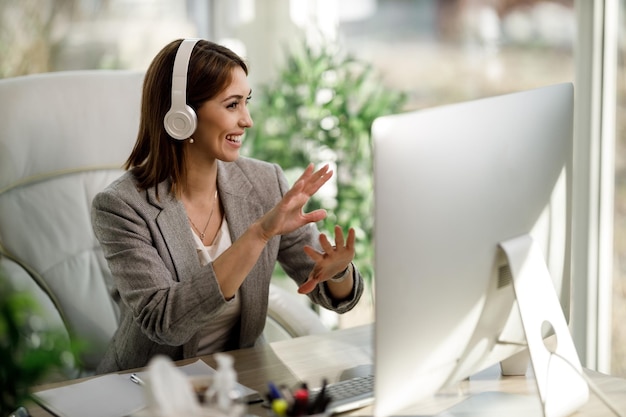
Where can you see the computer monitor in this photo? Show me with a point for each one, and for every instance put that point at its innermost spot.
(472, 228)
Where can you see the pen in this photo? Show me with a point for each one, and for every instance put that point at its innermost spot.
(274, 392)
(136, 379)
(286, 394)
(318, 405)
(301, 400)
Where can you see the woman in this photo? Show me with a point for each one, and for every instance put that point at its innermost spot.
(192, 231)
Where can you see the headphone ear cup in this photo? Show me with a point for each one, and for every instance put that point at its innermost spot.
(180, 123)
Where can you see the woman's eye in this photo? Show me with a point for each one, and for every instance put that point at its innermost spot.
(233, 105)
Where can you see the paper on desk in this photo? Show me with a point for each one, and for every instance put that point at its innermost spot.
(109, 395)
(112, 395)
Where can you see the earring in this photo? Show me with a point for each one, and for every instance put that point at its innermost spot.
(190, 140)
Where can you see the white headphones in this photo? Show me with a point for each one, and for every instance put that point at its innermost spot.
(180, 121)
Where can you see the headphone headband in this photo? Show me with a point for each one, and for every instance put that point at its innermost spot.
(181, 120)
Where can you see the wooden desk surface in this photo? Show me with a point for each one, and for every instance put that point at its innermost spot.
(328, 355)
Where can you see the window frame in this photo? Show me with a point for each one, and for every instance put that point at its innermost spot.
(593, 180)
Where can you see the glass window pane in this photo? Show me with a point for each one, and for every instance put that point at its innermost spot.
(449, 50)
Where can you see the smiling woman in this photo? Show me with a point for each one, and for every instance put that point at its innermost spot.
(185, 291)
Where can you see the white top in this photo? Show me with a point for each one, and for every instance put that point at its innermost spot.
(217, 332)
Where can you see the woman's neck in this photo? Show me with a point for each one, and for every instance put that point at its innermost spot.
(200, 181)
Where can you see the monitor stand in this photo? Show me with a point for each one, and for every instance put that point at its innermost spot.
(558, 372)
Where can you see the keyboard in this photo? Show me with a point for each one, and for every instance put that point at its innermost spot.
(349, 394)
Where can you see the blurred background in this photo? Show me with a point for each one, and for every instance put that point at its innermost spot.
(322, 70)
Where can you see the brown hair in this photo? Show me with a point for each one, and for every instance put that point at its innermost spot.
(157, 156)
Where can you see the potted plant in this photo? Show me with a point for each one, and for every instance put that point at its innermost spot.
(30, 354)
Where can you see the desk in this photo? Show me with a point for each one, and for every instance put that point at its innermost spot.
(314, 357)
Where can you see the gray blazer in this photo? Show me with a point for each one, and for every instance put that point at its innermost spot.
(165, 296)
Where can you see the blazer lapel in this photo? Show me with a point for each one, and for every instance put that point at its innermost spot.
(238, 197)
(174, 227)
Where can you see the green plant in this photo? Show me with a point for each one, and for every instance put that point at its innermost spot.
(320, 109)
(29, 353)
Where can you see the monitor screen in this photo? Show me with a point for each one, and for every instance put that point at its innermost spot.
(451, 185)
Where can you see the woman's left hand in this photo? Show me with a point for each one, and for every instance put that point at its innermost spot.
(331, 261)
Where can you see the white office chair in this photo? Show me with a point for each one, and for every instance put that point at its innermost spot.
(63, 138)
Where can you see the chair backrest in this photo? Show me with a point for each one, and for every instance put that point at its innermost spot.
(64, 136)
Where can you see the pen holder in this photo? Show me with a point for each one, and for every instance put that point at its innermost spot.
(283, 408)
(297, 402)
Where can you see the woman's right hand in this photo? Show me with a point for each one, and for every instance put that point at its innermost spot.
(288, 214)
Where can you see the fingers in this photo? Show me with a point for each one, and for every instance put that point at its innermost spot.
(325, 243)
(309, 183)
(328, 248)
(339, 237)
(314, 216)
(308, 286)
(313, 181)
(340, 241)
(330, 259)
(351, 239)
(313, 254)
